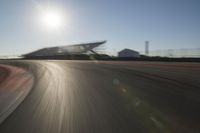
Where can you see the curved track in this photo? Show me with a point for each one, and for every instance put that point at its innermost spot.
(106, 97)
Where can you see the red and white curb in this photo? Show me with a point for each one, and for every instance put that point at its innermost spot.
(13, 89)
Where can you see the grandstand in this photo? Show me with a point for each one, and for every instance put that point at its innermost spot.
(68, 50)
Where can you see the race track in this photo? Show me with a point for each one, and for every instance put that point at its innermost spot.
(108, 97)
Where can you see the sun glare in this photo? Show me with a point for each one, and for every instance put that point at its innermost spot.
(52, 19)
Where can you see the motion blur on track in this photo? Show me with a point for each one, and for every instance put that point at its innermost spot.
(108, 97)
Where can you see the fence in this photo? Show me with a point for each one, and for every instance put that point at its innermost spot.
(194, 53)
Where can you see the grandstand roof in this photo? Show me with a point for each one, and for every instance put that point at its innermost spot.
(66, 50)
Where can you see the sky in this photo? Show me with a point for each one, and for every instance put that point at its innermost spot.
(166, 24)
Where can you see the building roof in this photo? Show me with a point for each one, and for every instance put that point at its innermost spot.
(128, 50)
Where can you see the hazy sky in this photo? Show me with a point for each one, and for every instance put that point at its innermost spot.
(123, 23)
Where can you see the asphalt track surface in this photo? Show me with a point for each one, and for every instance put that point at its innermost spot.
(109, 97)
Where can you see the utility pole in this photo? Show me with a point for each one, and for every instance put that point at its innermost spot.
(146, 48)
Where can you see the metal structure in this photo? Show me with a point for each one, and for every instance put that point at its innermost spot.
(146, 48)
(65, 50)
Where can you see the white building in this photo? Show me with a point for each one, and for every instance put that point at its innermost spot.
(128, 53)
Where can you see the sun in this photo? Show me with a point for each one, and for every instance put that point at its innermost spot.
(52, 19)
